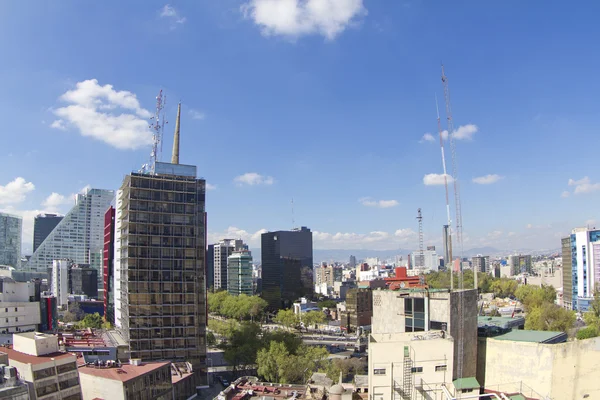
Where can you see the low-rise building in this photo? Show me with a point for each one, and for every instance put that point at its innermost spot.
(540, 365)
(49, 373)
(250, 388)
(359, 309)
(11, 387)
(137, 380)
(19, 306)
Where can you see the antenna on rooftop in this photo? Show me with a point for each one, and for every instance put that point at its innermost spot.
(293, 219)
(157, 125)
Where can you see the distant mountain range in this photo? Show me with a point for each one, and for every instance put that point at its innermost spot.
(341, 255)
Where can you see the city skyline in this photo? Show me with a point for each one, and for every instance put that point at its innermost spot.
(333, 108)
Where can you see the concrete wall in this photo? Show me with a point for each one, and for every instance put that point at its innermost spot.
(388, 312)
(464, 332)
(562, 371)
(387, 352)
(94, 387)
(31, 344)
(25, 316)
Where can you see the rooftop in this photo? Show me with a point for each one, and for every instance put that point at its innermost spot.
(247, 388)
(466, 383)
(534, 336)
(125, 373)
(361, 380)
(34, 360)
(500, 321)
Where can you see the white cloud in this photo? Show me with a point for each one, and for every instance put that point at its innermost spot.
(428, 137)
(100, 112)
(463, 132)
(172, 15)
(369, 202)
(168, 11)
(58, 124)
(436, 179)
(565, 194)
(295, 18)
(252, 179)
(495, 234)
(211, 187)
(487, 179)
(584, 185)
(15, 191)
(56, 200)
(252, 239)
(195, 114)
(376, 240)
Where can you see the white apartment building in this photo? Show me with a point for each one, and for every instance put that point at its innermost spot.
(18, 310)
(223, 250)
(431, 260)
(49, 373)
(59, 284)
(79, 237)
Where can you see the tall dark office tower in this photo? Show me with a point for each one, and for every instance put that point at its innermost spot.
(287, 266)
(160, 292)
(210, 267)
(83, 280)
(43, 224)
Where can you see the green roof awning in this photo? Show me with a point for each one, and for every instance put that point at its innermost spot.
(466, 383)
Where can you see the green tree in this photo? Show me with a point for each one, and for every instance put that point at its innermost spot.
(91, 321)
(291, 340)
(311, 318)
(327, 304)
(215, 301)
(286, 318)
(549, 317)
(587, 332)
(223, 328)
(257, 307)
(271, 361)
(242, 347)
(211, 340)
(534, 296)
(592, 316)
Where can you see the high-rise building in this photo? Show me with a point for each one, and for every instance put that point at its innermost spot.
(160, 245)
(108, 265)
(359, 309)
(446, 242)
(79, 236)
(481, 263)
(581, 268)
(43, 224)
(210, 267)
(222, 251)
(431, 259)
(520, 264)
(83, 280)
(11, 228)
(59, 285)
(239, 273)
(287, 266)
(352, 262)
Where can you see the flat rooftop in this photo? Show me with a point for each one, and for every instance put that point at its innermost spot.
(29, 359)
(500, 321)
(124, 373)
(534, 336)
(247, 388)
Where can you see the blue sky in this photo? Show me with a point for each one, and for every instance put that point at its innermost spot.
(326, 102)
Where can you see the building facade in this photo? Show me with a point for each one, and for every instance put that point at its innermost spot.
(43, 224)
(160, 291)
(287, 266)
(59, 285)
(520, 264)
(11, 228)
(48, 373)
(421, 341)
(446, 244)
(108, 266)
(222, 251)
(359, 309)
(83, 280)
(431, 260)
(79, 236)
(19, 306)
(151, 381)
(581, 268)
(210, 267)
(481, 264)
(239, 273)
